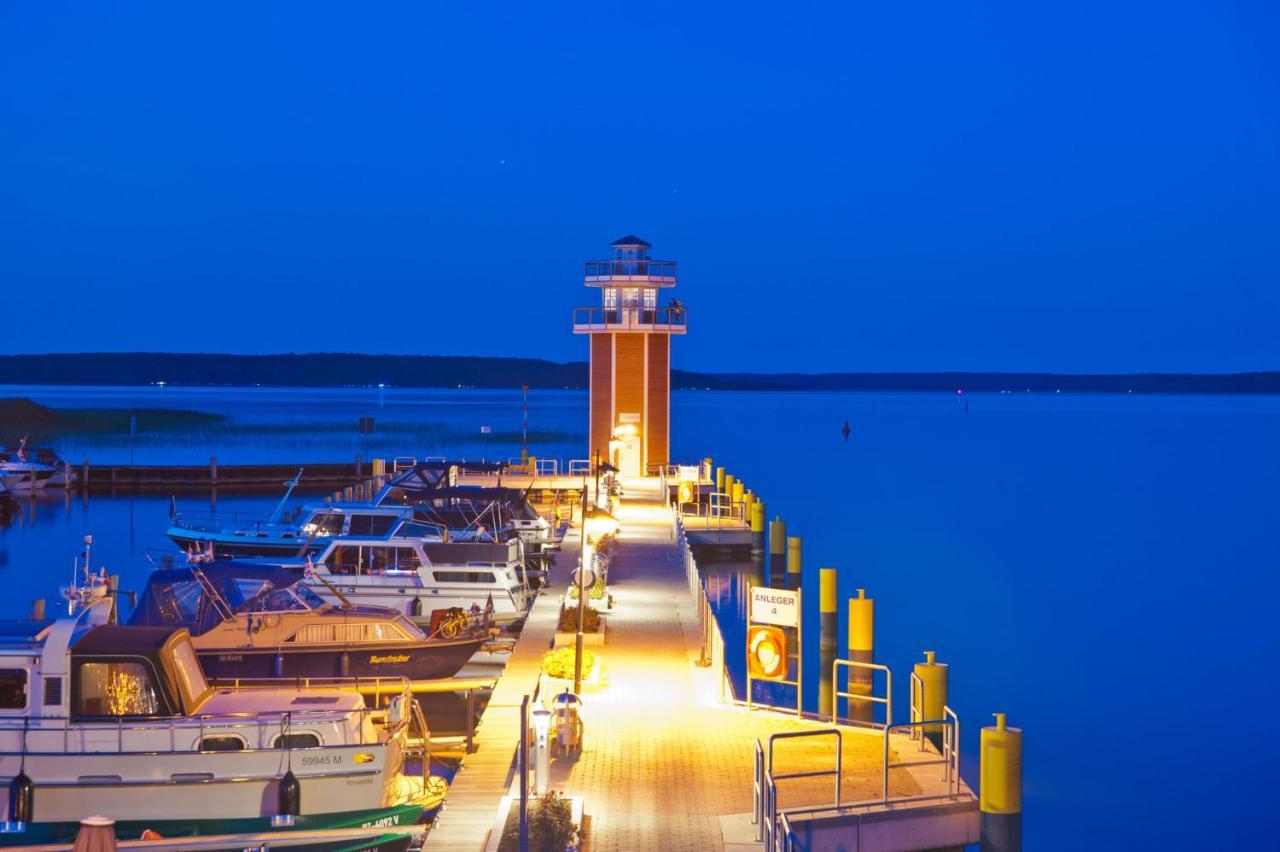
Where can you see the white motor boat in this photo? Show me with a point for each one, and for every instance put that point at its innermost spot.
(120, 721)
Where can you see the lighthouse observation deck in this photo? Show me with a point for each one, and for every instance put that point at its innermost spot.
(670, 319)
(629, 271)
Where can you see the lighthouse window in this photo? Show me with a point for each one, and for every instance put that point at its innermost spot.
(650, 298)
(13, 689)
(610, 297)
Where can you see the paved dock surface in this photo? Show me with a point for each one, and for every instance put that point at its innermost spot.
(664, 761)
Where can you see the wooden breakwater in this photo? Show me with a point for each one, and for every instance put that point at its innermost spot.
(317, 477)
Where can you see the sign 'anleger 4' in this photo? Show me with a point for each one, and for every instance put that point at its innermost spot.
(775, 606)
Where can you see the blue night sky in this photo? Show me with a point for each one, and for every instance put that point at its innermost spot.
(1084, 186)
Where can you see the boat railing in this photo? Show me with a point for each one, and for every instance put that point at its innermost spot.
(202, 725)
(218, 521)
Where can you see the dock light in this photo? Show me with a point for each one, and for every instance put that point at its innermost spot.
(599, 523)
(767, 653)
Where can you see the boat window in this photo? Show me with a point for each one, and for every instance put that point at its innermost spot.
(229, 743)
(412, 529)
(463, 576)
(324, 524)
(371, 524)
(308, 597)
(13, 689)
(317, 634)
(191, 680)
(297, 741)
(116, 689)
(278, 600)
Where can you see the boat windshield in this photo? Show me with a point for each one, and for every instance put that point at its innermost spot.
(295, 598)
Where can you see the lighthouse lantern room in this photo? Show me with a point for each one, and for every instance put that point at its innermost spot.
(630, 376)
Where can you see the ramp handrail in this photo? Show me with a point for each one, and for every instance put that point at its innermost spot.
(836, 694)
(767, 805)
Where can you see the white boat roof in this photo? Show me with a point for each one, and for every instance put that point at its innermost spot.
(271, 700)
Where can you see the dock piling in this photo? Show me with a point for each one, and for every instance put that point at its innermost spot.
(1000, 787)
(777, 551)
(861, 650)
(213, 470)
(827, 600)
(793, 562)
(933, 695)
(757, 527)
(720, 476)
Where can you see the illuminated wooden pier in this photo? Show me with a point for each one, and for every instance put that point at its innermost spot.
(669, 757)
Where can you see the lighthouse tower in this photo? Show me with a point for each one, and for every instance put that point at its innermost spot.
(630, 334)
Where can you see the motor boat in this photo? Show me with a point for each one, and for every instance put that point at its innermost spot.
(19, 472)
(97, 718)
(263, 622)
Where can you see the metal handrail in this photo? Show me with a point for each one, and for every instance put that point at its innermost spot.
(769, 805)
(630, 317)
(629, 268)
(887, 700)
(949, 759)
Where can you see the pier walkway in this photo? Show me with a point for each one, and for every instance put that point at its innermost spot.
(666, 764)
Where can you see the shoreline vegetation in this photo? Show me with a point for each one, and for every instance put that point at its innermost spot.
(335, 369)
(111, 426)
(21, 417)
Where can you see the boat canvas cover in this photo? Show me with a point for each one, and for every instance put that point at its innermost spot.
(177, 597)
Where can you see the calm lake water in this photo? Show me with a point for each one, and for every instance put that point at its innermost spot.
(1101, 568)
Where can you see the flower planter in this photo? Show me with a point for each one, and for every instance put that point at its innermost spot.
(509, 803)
(563, 640)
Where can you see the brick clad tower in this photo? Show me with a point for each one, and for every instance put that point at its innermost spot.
(630, 336)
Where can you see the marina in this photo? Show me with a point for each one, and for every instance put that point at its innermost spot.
(517, 635)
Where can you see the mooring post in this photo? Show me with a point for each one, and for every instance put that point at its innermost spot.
(777, 551)
(757, 527)
(84, 474)
(933, 695)
(828, 581)
(37, 609)
(1000, 787)
(359, 467)
(793, 561)
(862, 612)
(213, 470)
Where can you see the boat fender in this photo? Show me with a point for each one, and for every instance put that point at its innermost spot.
(344, 665)
(22, 793)
(290, 804)
(278, 666)
(415, 607)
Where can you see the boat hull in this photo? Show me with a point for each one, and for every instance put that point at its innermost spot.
(65, 831)
(430, 661)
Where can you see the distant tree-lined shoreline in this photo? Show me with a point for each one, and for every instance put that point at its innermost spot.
(336, 369)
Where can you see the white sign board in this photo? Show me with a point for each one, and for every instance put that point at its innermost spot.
(775, 606)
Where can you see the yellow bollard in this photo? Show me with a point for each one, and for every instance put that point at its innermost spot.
(1000, 786)
(729, 481)
(933, 695)
(736, 491)
(757, 518)
(862, 622)
(793, 562)
(828, 599)
(720, 479)
(777, 536)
